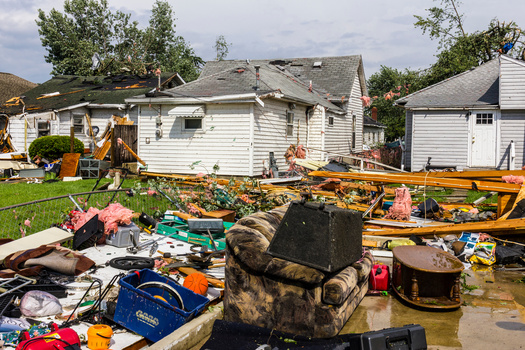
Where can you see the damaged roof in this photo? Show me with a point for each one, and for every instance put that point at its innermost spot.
(67, 90)
(241, 80)
(12, 85)
(477, 87)
(332, 76)
(367, 121)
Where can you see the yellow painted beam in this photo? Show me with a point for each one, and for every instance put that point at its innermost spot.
(423, 181)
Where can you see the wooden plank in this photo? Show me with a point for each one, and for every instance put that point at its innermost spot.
(505, 203)
(494, 175)
(50, 236)
(504, 227)
(425, 181)
(69, 165)
(101, 152)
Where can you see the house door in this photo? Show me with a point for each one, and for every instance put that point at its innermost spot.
(483, 142)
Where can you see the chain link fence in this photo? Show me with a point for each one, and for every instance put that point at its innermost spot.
(27, 218)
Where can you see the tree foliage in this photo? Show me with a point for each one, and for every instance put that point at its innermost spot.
(221, 48)
(385, 87)
(89, 27)
(461, 51)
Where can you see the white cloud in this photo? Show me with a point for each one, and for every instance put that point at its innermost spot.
(382, 31)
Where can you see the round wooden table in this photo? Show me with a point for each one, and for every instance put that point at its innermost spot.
(427, 277)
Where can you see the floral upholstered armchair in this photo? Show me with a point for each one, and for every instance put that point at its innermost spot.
(270, 292)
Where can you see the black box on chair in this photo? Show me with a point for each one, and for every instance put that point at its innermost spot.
(321, 236)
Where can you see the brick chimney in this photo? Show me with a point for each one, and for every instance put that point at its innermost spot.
(374, 113)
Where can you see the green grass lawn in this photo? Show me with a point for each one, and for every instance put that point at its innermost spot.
(16, 193)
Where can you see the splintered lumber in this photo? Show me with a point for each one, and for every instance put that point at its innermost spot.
(423, 180)
(487, 175)
(131, 151)
(101, 152)
(504, 227)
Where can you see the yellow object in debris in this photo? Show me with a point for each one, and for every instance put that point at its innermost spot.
(398, 242)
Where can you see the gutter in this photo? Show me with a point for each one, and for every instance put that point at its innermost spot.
(251, 97)
(452, 108)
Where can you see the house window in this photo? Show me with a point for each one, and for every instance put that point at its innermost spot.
(43, 128)
(330, 121)
(354, 122)
(78, 123)
(289, 123)
(192, 124)
(484, 118)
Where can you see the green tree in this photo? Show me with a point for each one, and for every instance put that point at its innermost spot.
(221, 48)
(385, 87)
(461, 51)
(88, 27)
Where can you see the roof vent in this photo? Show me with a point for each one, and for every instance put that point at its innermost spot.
(318, 64)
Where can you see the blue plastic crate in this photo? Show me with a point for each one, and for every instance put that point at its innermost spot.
(151, 313)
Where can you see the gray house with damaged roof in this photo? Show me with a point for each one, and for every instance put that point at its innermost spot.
(238, 113)
(475, 119)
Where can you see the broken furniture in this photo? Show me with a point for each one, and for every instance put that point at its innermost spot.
(321, 236)
(427, 277)
(270, 292)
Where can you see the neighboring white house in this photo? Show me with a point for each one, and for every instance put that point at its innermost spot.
(62, 102)
(475, 119)
(373, 131)
(240, 114)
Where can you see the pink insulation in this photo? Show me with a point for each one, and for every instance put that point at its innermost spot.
(402, 206)
(112, 216)
(512, 179)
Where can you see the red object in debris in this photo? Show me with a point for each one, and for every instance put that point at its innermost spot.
(379, 277)
(58, 339)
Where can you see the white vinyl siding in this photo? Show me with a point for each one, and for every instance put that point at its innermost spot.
(512, 84)
(442, 135)
(512, 125)
(225, 141)
(408, 138)
(316, 134)
(355, 107)
(270, 124)
(338, 138)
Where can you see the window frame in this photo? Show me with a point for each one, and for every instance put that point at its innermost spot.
(43, 131)
(354, 130)
(290, 116)
(484, 118)
(78, 125)
(201, 129)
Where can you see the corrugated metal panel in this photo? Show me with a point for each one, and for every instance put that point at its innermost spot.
(512, 84)
(512, 126)
(225, 141)
(442, 135)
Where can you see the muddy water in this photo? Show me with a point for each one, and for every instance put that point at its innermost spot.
(492, 317)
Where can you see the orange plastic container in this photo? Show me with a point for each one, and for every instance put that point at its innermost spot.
(99, 337)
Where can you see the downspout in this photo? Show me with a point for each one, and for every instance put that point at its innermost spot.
(252, 137)
(323, 132)
(308, 111)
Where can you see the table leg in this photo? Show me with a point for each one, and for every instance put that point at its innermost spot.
(414, 293)
(456, 289)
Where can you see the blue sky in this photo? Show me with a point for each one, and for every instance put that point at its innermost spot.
(381, 31)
